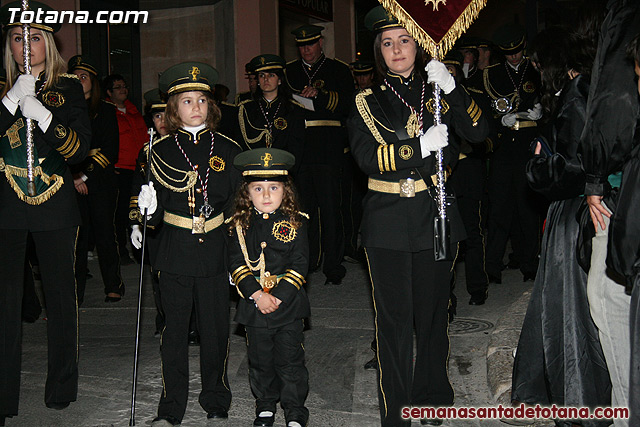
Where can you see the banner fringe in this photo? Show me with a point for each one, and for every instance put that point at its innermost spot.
(436, 50)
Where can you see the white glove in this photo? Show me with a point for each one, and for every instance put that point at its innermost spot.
(434, 138)
(508, 120)
(136, 236)
(535, 113)
(147, 199)
(437, 73)
(33, 109)
(25, 85)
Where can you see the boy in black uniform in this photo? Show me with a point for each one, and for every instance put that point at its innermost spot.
(191, 186)
(268, 261)
(513, 89)
(328, 85)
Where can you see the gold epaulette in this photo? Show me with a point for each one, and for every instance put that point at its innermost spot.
(229, 104)
(229, 139)
(367, 117)
(291, 62)
(228, 220)
(340, 60)
(244, 102)
(304, 215)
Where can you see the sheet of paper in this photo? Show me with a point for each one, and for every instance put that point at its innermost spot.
(307, 103)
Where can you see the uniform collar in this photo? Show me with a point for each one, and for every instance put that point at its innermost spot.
(265, 215)
(268, 104)
(194, 134)
(394, 78)
(320, 58)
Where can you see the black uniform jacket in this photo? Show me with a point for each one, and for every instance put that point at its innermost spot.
(286, 255)
(103, 153)
(68, 134)
(287, 125)
(228, 125)
(335, 87)
(502, 81)
(179, 251)
(390, 221)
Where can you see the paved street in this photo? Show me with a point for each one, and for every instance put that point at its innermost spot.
(342, 393)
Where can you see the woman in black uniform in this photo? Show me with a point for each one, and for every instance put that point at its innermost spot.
(95, 183)
(393, 142)
(272, 118)
(61, 135)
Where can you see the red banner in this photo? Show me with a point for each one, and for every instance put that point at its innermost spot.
(435, 24)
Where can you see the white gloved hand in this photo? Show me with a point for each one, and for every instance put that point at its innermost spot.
(434, 138)
(136, 236)
(437, 73)
(508, 120)
(33, 109)
(535, 113)
(25, 85)
(147, 199)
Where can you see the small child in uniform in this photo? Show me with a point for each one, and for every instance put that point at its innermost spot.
(268, 260)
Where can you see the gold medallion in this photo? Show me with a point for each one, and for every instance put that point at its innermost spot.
(216, 163)
(280, 123)
(284, 231)
(412, 126)
(318, 84)
(529, 87)
(53, 99)
(405, 152)
(197, 226)
(60, 131)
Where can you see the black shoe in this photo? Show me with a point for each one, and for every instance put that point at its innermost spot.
(57, 405)
(528, 276)
(371, 364)
(164, 421)
(112, 299)
(478, 298)
(194, 339)
(431, 422)
(333, 281)
(495, 278)
(220, 414)
(264, 421)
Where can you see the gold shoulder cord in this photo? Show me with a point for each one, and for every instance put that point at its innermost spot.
(367, 117)
(243, 129)
(260, 264)
(189, 177)
(491, 91)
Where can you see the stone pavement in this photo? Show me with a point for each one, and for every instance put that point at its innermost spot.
(342, 393)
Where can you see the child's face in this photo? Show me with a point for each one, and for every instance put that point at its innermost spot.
(266, 196)
(192, 108)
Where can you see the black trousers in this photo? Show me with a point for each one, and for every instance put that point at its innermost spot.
(514, 209)
(277, 370)
(319, 188)
(124, 179)
(211, 297)
(410, 288)
(55, 250)
(354, 187)
(97, 210)
(468, 182)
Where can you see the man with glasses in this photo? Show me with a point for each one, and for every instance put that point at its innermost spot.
(133, 135)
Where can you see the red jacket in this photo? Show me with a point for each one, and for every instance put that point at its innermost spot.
(133, 135)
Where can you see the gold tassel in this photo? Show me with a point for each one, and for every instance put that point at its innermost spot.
(436, 50)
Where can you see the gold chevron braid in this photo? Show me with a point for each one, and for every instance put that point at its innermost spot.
(437, 50)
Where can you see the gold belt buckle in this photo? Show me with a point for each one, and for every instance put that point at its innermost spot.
(270, 282)
(197, 226)
(408, 187)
